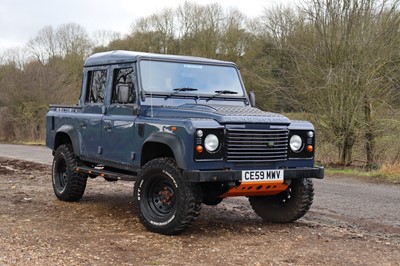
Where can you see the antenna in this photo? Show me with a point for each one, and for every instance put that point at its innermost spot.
(151, 91)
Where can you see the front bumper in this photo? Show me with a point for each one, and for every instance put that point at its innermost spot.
(236, 175)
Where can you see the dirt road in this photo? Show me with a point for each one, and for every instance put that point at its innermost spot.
(39, 154)
(350, 223)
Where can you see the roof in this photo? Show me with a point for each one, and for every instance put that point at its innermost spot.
(120, 57)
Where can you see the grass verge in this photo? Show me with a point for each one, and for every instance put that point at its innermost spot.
(32, 143)
(388, 173)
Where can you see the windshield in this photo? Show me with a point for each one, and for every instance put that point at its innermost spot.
(184, 78)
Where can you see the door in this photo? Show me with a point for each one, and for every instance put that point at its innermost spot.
(118, 138)
(90, 123)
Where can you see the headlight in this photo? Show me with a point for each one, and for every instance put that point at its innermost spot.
(211, 142)
(296, 143)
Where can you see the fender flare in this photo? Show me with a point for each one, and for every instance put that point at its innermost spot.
(173, 142)
(73, 135)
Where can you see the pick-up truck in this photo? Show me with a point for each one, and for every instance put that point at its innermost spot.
(185, 130)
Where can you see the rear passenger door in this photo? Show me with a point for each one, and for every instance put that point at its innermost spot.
(90, 124)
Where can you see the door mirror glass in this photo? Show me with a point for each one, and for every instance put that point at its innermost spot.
(252, 98)
(122, 93)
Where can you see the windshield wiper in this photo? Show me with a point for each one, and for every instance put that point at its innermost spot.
(218, 93)
(178, 90)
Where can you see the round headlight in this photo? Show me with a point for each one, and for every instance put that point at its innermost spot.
(296, 143)
(211, 142)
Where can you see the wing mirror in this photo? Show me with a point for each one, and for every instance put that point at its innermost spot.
(252, 98)
(123, 93)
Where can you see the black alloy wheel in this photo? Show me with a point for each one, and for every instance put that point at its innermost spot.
(164, 201)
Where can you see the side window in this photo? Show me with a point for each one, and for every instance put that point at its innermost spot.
(123, 90)
(96, 89)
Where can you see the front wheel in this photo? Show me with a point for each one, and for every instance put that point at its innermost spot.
(164, 201)
(68, 185)
(288, 206)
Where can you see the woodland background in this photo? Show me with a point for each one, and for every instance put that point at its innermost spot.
(333, 62)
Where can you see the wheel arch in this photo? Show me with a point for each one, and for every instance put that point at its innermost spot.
(67, 134)
(160, 145)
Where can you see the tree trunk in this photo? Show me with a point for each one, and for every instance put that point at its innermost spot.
(346, 150)
(369, 135)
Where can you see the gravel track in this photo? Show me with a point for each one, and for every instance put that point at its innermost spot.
(352, 222)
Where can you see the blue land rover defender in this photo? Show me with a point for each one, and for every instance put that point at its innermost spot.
(185, 130)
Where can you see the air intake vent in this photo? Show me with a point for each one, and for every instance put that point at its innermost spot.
(253, 145)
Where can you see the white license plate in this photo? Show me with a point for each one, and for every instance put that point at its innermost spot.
(262, 176)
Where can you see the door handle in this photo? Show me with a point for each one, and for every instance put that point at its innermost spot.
(108, 127)
(82, 125)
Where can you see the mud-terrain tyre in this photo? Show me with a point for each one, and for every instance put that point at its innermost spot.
(287, 206)
(68, 185)
(164, 202)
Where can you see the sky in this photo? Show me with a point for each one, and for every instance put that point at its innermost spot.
(20, 20)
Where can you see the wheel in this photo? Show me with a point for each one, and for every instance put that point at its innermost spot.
(212, 201)
(287, 206)
(68, 185)
(164, 202)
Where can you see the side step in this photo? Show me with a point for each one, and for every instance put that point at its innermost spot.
(106, 174)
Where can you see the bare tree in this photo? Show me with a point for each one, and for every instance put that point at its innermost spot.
(234, 36)
(155, 33)
(72, 39)
(67, 39)
(44, 45)
(15, 57)
(189, 25)
(103, 38)
(340, 65)
(188, 15)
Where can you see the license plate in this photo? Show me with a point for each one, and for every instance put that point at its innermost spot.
(262, 176)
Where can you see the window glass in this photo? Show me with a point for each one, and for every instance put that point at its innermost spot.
(123, 77)
(96, 86)
(165, 77)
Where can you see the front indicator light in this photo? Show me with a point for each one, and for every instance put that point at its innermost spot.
(199, 149)
(310, 148)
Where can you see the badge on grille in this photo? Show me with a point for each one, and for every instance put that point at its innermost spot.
(270, 144)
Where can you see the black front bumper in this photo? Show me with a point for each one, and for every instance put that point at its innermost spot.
(236, 175)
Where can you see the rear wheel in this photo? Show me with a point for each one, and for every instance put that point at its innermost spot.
(164, 202)
(287, 206)
(68, 185)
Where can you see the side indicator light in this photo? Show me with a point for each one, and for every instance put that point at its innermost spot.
(310, 148)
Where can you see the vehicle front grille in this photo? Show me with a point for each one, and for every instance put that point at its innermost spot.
(256, 145)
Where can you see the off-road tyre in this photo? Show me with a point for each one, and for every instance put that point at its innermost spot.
(164, 202)
(288, 206)
(68, 185)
